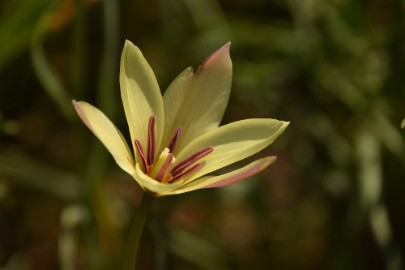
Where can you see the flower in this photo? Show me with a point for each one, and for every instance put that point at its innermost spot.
(176, 138)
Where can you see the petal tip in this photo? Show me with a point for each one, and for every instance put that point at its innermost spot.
(76, 105)
(190, 70)
(129, 49)
(227, 46)
(80, 113)
(270, 159)
(285, 125)
(221, 55)
(128, 43)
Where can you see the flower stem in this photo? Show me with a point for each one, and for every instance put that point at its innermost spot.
(131, 249)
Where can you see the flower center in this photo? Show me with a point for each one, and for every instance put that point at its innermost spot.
(164, 170)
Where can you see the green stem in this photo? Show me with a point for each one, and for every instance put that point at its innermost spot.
(49, 79)
(78, 58)
(131, 250)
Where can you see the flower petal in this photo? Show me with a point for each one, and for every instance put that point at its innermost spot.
(151, 185)
(197, 102)
(233, 142)
(140, 95)
(226, 179)
(107, 133)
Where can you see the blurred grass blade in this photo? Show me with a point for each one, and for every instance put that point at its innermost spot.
(47, 77)
(17, 23)
(196, 249)
(388, 134)
(210, 20)
(110, 62)
(17, 261)
(368, 150)
(32, 173)
(72, 216)
(78, 58)
(100, 248)
(381, 226)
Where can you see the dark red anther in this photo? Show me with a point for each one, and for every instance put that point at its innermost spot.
(186, 172)
(151, 140)
(191, 160)
(164, 168)
(141, 154)
(174, 140)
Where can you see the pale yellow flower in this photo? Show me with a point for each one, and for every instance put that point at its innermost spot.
(176, 140)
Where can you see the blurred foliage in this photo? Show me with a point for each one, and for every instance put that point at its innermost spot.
(334, 199)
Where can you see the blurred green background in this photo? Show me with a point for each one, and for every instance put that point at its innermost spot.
(333, 200)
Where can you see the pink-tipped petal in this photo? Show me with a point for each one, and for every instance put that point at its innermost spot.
(79, 112)
(225, 179)
(215, 55)
(231, 179)
(107, 133)
(196, 102)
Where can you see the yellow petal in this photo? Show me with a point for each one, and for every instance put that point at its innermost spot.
(173, 99)
(225, 179)
(140, 95)
(151, 185)
(196, 102)
(107, 133)
(233, 142)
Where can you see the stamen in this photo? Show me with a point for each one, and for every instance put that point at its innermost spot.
(190, 160)
(174, 140)
(141, 155)
(187, 172)
(164, 168)
(160, 170)
(151, 140)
